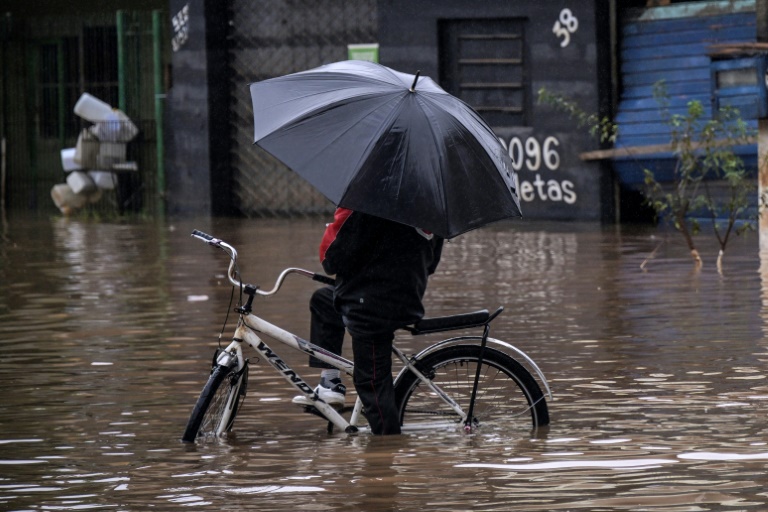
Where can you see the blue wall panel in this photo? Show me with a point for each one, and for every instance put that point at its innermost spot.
(674, 48)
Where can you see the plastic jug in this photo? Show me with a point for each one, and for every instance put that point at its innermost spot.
(68, 160)
(92, 109)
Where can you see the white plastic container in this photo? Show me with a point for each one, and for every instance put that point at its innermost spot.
(92, 108)
(86, 150)
(105, 180)
(66, 200)
(68, 160)
(80, 182)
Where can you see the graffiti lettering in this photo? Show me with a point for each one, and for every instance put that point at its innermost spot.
(533, 156)
(180, 23)
(284, 368)
(550, 190)
(566, 25)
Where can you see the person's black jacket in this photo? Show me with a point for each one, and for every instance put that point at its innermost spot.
(381, 270)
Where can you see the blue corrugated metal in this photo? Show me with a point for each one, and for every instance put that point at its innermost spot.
(672, 44)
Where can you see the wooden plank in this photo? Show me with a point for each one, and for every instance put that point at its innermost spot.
(675, 102)
(699, 49)
(744, 90)
(738, 31)
(664, 62)
(700, 87)
(663, 150)
(637, 27)
(652, 77)
(648, 116)
(740, 48)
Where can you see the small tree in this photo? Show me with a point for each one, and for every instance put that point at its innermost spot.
(703, 151)
(601, 128)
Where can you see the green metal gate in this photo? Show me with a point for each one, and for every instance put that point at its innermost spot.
(272, 38)
(47, 63)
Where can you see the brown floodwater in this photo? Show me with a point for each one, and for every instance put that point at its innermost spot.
(107, 331)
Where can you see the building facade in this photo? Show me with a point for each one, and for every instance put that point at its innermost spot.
(497, 56)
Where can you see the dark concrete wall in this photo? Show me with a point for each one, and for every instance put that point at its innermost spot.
(409, 41)
(196, 112)
(187, 117)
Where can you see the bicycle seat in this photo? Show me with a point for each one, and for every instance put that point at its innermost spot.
(447, 323)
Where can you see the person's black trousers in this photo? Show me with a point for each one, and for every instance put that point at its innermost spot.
(326, 327)
(372, 358)
(373, 382)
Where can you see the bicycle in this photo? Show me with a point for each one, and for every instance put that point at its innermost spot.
(465, 381)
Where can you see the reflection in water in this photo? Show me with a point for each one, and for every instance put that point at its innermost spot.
(581, 463)
(764, 290)
(106, 332)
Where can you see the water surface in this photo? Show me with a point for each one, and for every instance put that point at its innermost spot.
(107, 330)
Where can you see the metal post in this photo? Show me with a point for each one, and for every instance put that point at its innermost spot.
(62, 112)
(159, 97)
(31, 95)
(121, 88)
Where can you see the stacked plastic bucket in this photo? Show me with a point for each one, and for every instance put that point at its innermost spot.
(100, 153)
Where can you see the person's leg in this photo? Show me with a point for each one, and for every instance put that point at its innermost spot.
(373, 382)
(326, 329)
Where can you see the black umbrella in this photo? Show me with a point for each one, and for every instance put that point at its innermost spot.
(389, 144)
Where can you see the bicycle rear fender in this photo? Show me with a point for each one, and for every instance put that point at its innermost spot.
(502, 346)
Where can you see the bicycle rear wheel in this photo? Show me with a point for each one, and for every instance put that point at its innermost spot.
(218, 404)
(507, 394)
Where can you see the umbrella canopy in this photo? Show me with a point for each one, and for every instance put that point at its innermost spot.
(389, 144)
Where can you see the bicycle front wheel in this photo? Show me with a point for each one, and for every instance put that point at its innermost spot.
(218, 404)
(507, 394)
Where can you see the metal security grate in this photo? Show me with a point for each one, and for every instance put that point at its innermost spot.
(272, 38)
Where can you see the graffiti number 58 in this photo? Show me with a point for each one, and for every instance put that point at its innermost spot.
(566, 25)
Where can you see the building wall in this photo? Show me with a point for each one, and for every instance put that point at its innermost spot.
(213, 165)
(189, 151)
(565, 48)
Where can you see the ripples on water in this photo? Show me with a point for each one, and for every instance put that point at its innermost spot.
(106, 331)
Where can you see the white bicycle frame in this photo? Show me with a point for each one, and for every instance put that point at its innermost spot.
(246, 332)
(251, 326)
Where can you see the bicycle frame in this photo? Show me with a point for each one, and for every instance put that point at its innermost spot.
(251, 326)
(246, 332)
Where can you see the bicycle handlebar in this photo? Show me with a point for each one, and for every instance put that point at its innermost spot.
(231, 271)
